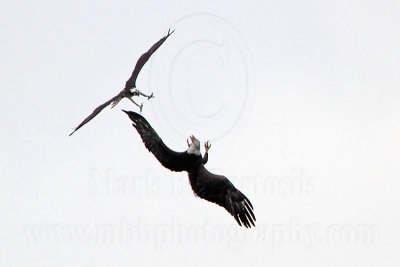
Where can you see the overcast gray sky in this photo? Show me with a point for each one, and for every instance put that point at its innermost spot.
(300, 100)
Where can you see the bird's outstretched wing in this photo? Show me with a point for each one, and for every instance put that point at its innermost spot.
(237, 204)
(219, 190)
(175, 161)
(95, 112)
(131, 82)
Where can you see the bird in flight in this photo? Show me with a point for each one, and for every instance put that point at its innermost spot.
(130, 89)
(211, 187)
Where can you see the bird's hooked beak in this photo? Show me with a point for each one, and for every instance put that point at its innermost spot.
(192, 139)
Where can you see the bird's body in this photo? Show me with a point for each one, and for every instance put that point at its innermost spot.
(206, 185)
(129, 90)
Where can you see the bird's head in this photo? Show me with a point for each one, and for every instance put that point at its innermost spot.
(194, 146)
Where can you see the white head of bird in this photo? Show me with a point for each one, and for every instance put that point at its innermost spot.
(194, 147)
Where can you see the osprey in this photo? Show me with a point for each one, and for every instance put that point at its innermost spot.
(130, 86)
(211, 187)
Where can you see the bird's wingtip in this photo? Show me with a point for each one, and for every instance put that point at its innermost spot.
(128, 112)
(131, 114)
(170, 32)
(72, 132)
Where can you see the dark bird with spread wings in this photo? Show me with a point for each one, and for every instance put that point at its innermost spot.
(211, 187)
(130, 89)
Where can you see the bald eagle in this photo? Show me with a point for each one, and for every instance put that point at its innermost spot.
(130, 86)
(211, 187)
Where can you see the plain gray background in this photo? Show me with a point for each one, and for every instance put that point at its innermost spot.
(300, 100)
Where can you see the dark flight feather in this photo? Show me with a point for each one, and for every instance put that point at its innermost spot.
(131, 82)
(95, 112)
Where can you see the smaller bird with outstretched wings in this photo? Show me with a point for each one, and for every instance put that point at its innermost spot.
(130, 89)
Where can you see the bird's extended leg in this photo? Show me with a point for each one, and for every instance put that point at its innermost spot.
(143, 94)
(207, 146)
(133, 101)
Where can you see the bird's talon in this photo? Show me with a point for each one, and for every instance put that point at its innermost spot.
(207, 145)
